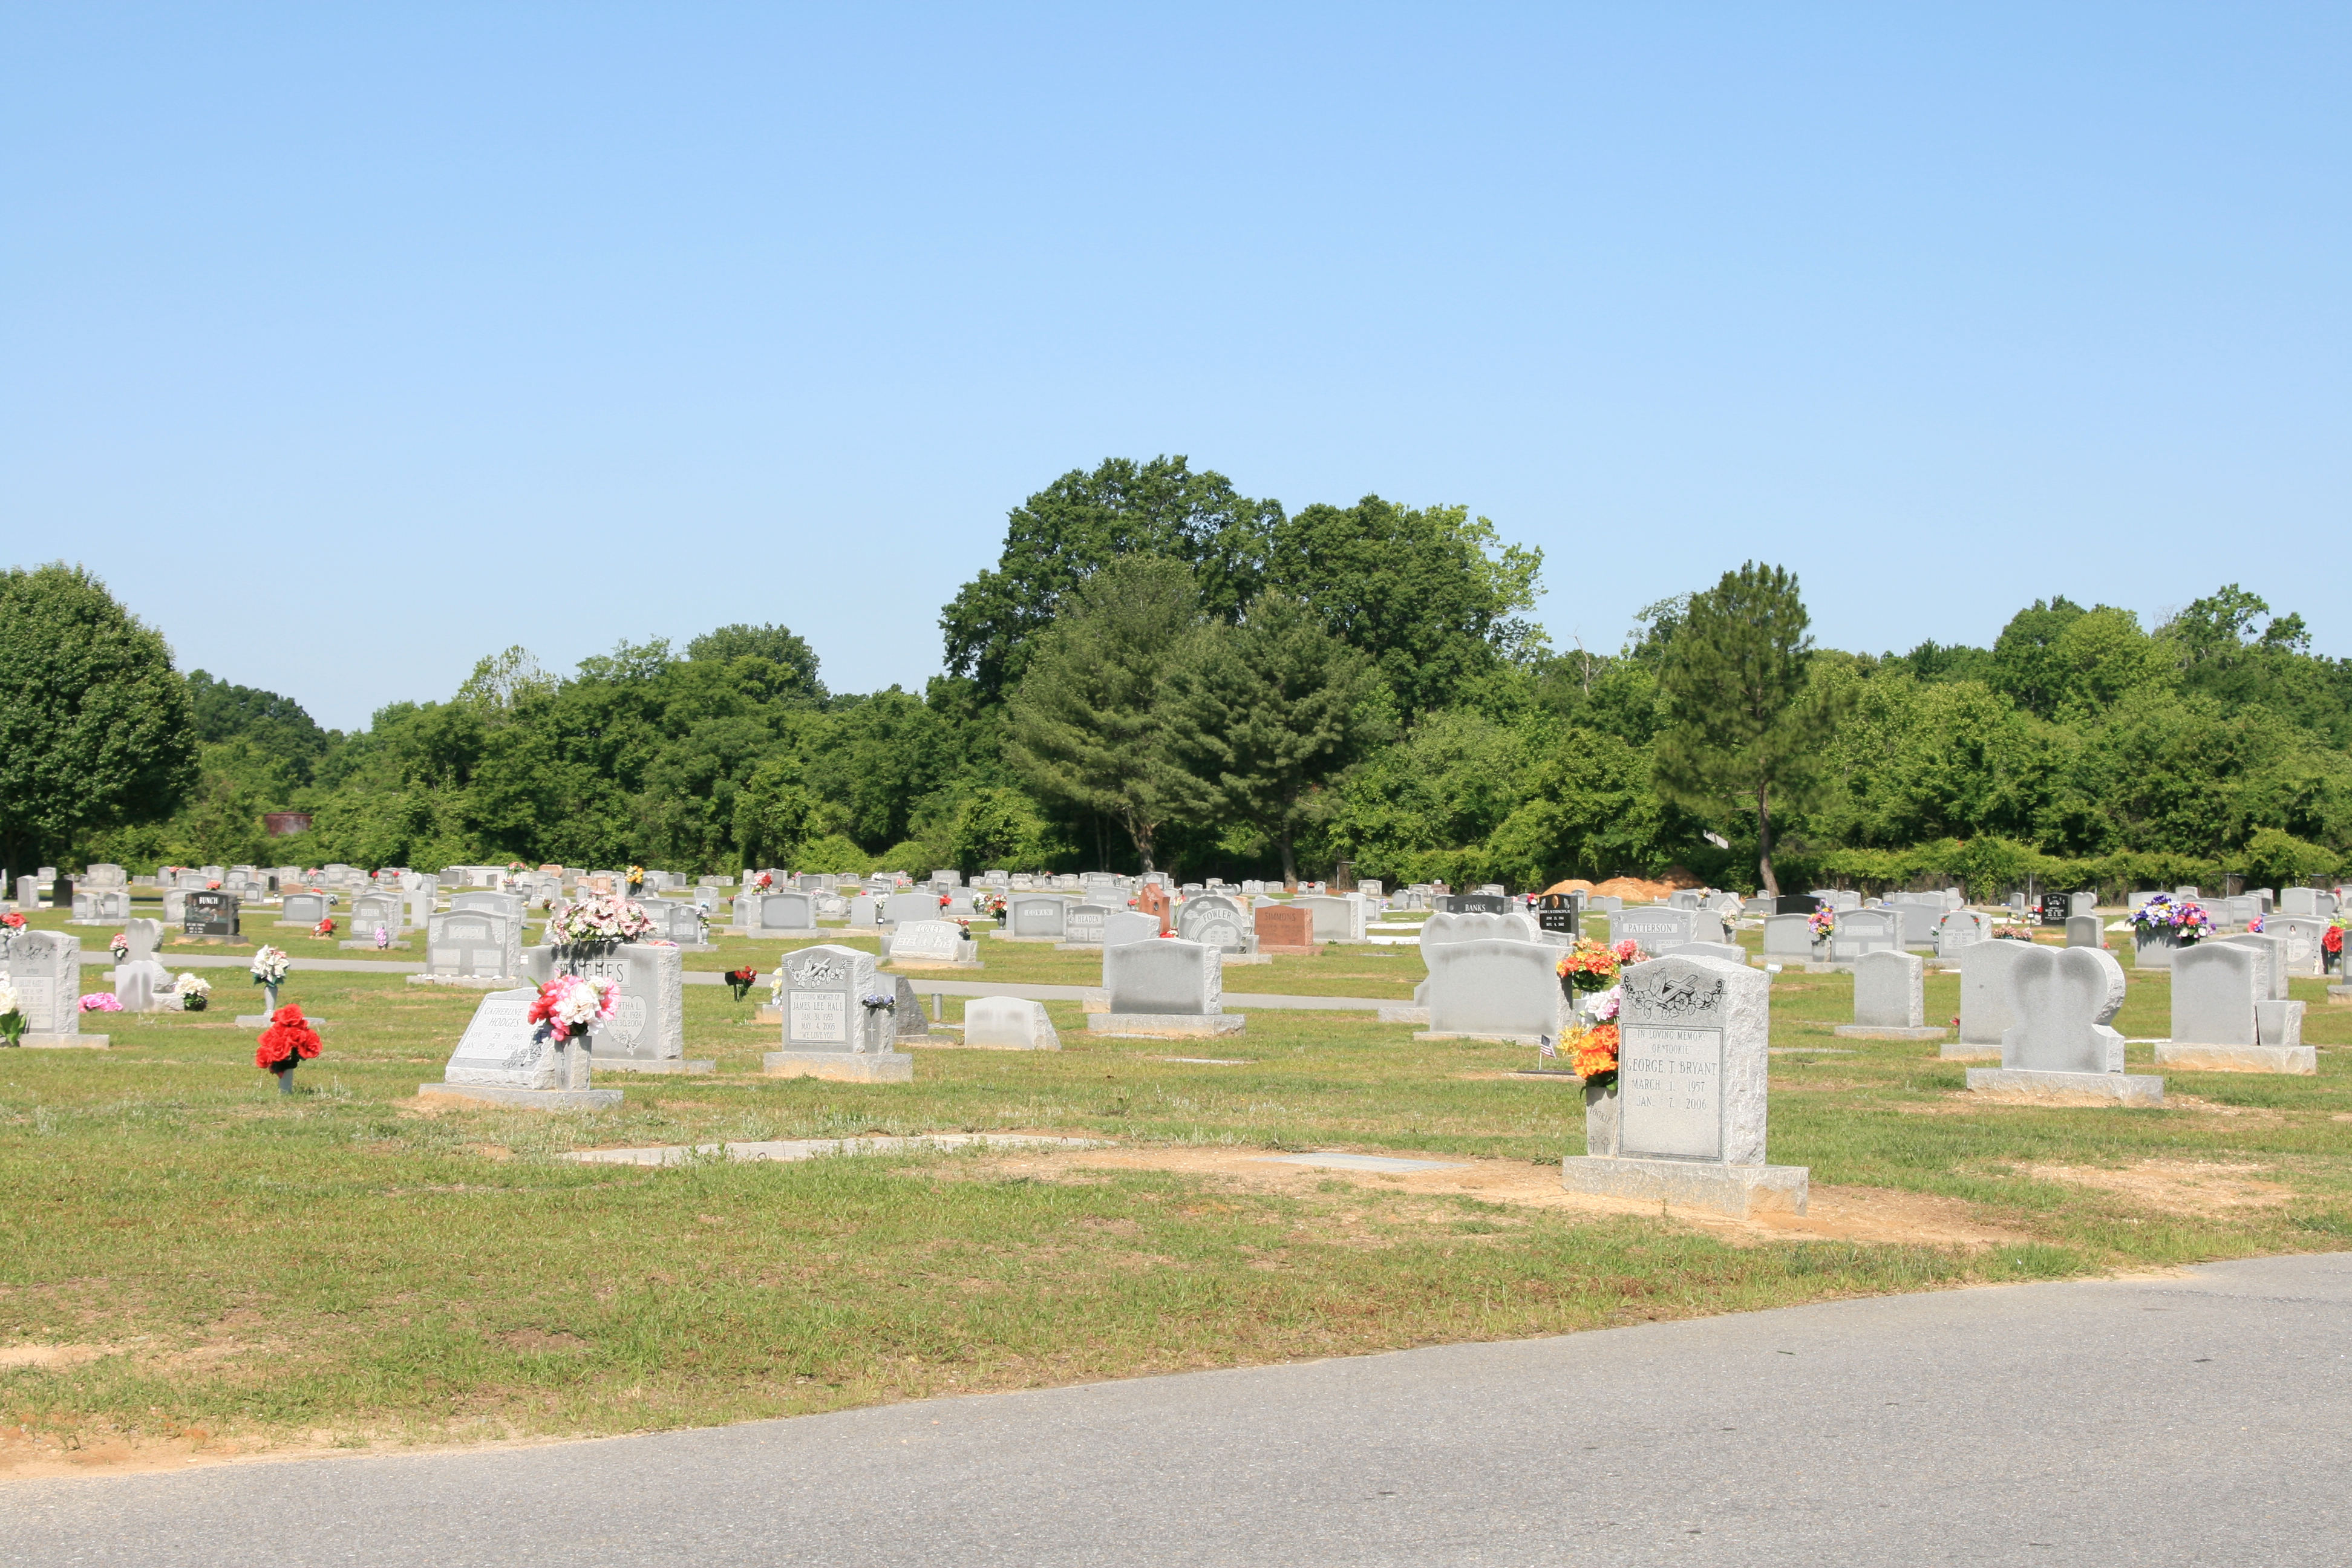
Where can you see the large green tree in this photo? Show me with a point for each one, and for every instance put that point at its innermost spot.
(1091, 720)
(1747, 725)
(1077, 526)
(95, 727)
(1430, 593)
(1268, 712)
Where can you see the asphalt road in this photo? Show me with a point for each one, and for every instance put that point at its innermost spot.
(2199, 1420)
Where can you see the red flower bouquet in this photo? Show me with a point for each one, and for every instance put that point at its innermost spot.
(287, 1044)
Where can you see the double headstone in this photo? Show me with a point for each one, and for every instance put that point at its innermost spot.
(1037, 917)
(1084, 922)
(933, 942)
(646, 1032)
(2059, 1043)
(101, 905)
(473, 944)
(1685, 1121)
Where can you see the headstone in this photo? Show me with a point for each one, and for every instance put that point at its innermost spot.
(678, 921)
(828, 1030)
(1472, 903)
(44, 969)
(1493, 987)
(1685, 1119)
(1655, 927)
(509, 905)
(28, 893)
(210, 914)
(1338, 916)
(101, 905)
(1283, 930)
(106, 875)
(473, 943)
(505, 1058)
(1084, 922)
(930, 942)
(1683, 899)
(1960, 929)
(1555, 915)
(898, 907)
(1009, 1022)
(1861, 932)
(1216, 921)
(1120, 927)
(1441, 928)
(1985, 1017)
(1888, 999)
(304, 909)
(758, 913)
(647, 1031)
(2299, 902)
(1788, 937)
(2301, 936)
(2054, 909)
(1163, 976)
(2059, 1041)
(2083, 903)
(1039, 915)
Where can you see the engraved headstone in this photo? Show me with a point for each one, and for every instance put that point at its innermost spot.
(1038, 915)
(828, 1030)
(210, 914)
(1084, 922)
(2059, 1040)
(648, 1027)
(473, 943)
(1686, 1120)
(930, 942)
(1283, 930)
(1217, 920)
(44, 969)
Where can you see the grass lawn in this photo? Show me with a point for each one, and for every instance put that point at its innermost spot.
(188, 1259)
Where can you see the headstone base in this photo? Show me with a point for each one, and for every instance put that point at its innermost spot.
(1165, 1026)
(667, 1064)
(367, 944)
(1404, 1013)
(930, 964)
(843, 1066)
(470, 982)
(2239, 1059)
(524, 1098)
(115, 923)
(45, 1041)
(1232, 958)
(200, 940)
(1008, 936)
(1739, 1191)
(1284, 949)
(1968, 1051)
(788, 933)
(1077, 947)
(2340, 993)
(2023, 1083)
(1887, 1032)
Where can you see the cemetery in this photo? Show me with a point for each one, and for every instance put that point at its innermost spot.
(1774, 1130)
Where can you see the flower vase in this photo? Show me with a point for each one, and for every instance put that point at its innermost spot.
(285, 1077)
(270, 991)
(194, 1005)
(576, 1067)
(1603, 1129)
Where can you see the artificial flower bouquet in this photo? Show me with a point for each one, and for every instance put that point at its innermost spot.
(740, 981)
(602, 918)
(2185, 918)
(288, 1042)
(1593, 1052)
(271, 964)
(1821, 923)
(570, 1005)
(194, 991)
(102, 1002)
(324, 928)
(12, 1016)
(119, 944)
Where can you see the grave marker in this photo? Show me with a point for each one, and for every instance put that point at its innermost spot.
(829, 1032)
(2058, 1043)
(1685, 1121)
(1888, 999)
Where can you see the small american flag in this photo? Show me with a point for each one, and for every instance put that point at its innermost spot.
(1546, 1050)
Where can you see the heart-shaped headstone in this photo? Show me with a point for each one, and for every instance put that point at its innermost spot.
(2059, 1000)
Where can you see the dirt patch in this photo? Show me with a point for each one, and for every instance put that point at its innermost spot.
(539, 1340)
(1632, 889)
(2176, 1186)
(1836, 1214)
(50, 1356)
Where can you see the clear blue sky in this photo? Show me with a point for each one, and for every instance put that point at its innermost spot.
(350, 344)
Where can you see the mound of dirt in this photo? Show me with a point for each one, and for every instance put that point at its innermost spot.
(1632, 889)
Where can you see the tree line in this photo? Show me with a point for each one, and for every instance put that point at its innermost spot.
(1161, 672)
